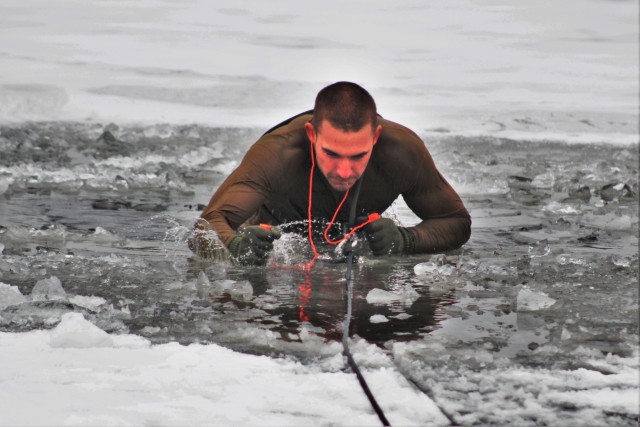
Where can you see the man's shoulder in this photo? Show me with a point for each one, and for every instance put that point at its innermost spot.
(398, 143)
(397, 133)
(292, 124)
(288, 135)
(285, 143)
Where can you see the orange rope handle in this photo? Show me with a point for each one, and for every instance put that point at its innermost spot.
(371, 218)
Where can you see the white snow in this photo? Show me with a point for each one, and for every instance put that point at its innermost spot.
(74, 332)
(513, 395)
(10, 295)
(76, 374)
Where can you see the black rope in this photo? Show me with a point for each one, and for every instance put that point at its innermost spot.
(347, 320)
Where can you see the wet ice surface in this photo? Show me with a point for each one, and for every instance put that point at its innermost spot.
(534, 321)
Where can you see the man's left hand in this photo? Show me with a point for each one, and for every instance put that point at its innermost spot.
(384, 237)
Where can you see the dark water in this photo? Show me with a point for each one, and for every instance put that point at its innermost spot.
(549, 273)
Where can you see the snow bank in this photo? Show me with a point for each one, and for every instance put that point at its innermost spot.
(77, 374)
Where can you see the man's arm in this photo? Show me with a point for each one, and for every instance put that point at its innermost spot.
(407, 167)
(446, 223)
(238, 198)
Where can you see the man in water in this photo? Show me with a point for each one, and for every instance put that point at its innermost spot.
(303, 169)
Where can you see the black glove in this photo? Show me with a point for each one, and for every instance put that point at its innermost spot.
(252, 244)
(385, 237)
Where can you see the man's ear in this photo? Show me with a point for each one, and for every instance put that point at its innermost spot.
(376, 134)
(311, 132)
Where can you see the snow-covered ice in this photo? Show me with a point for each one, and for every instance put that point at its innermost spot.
(76, 374)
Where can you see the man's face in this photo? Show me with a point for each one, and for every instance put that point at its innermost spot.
(342, 156)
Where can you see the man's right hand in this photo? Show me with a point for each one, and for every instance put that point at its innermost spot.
(252, 244)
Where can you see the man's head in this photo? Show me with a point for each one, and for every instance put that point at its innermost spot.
(343, 132)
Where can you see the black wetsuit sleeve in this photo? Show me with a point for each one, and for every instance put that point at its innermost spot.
(241, 195)
(446, 223)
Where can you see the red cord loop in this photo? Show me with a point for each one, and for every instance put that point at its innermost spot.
(372, 217)
(305, 267)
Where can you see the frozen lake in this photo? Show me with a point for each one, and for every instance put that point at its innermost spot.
(119, 119)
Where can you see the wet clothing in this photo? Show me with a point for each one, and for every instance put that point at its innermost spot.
(272, 182)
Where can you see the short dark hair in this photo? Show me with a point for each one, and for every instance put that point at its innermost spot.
(346, 105)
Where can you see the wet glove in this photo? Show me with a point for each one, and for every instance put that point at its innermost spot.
(252, 244)
(385, 237)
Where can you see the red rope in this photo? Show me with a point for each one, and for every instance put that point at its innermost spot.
(309, 204)
(371, 218)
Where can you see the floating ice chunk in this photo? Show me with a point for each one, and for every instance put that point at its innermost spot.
(1, 245)
(226, 167)
(539, 249)
(425, 268)
(201, 155)
(610, 221)
(564, 259)
(150, 330)
(162, 131)
(92, 303)
(238, 290)
(10, 295)
(74, 331)
(203, 280)
(4, 185)
(431, 268)
(545, 180)
(560, 208)
(529, 300)
(48, 289)
(378, 318)
(516, 182)
(402, 316)
(406, 295)
(99, 230)
(482, 356)
(219, 286)
(446, 270)
(241, 290)
(102, 235)
(621, 261)
(380, 296)
(202, 284)
(622, 222)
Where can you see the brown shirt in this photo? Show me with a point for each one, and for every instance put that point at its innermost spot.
(272, 182)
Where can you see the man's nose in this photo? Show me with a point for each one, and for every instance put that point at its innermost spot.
(343, 170)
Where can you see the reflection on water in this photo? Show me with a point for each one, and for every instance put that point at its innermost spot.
(318, 298)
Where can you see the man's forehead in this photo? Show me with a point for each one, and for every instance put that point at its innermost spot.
(326, 126)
